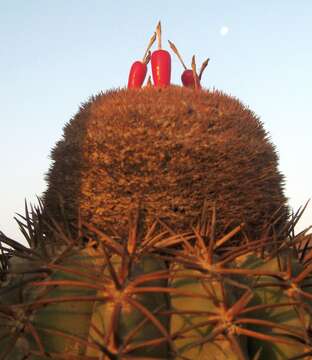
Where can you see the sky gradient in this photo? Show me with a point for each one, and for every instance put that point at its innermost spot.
(55, 55)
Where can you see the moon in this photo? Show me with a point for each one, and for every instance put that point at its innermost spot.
(224, 30)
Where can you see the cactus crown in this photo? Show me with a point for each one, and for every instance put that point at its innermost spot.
(169, 150)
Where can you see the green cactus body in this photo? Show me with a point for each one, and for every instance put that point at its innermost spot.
(59, 319)
(73, 318)
(287, 311)
(58, 323)
(196, 306)
(123, 301)
(123, 316)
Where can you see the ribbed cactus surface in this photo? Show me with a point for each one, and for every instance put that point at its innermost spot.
(156, 294)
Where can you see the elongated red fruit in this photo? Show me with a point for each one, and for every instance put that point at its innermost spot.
(137, 75)
(139, 68)
(161, 68)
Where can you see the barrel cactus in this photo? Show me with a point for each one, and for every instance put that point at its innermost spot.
(163, 234)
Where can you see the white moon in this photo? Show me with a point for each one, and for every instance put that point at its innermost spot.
(224, 30)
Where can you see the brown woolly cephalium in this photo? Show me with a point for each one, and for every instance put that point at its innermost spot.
(169, 149)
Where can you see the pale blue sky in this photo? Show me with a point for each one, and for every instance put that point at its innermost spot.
(55, 54)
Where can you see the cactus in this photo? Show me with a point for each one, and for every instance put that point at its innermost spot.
(163, 234)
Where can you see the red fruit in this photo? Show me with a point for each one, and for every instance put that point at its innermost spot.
(137, 75)
(139, 68)
(161, 68)
(188, 78)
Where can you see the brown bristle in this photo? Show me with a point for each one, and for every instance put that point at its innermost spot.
(169, 149)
